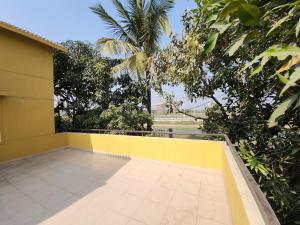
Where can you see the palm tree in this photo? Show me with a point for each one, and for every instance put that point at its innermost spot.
(137, 34)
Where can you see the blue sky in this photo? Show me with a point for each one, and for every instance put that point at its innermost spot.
(61, 20)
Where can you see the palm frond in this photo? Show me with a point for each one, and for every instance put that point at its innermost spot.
(134, 65)
(137, 13)
(161, 10)
(156, 21)
(117, 47)
(165, 24)
(122, 12)
(112, 23)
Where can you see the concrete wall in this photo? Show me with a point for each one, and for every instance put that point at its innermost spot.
(207, 154)
(27, 107)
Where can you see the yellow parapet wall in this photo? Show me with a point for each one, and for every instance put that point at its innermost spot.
(201, 153)
(244, 209)
(205, 154)
(10, 150)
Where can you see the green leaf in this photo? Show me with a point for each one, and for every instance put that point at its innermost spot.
(230, 7)
(283, 79)
(211, 18)
(211, 42)
(260, 67)
(298, 28)
(278, 24)
(282, 108)
(292, 81)
(297, 104)
(221, 26)
(248, 14)
(237, 44)
(295, 150)
(283, 51)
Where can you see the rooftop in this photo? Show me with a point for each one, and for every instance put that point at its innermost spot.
(72, 187)
(30, 35)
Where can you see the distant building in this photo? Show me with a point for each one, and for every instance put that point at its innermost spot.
(161, 108)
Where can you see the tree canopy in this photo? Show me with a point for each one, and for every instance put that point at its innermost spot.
(84, 90)
(137, 32)
(237, 54)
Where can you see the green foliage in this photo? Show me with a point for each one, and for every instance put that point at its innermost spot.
(211, 42)
(275, 24)
(138, 30)
(250, 83)
(84, 89)
(125, 117)
(215, 123)
(81, 79)
(268, 34)
(128, 90)
(276, 168)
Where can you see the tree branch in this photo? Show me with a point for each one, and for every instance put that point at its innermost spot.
(188, 114)
(220, 105)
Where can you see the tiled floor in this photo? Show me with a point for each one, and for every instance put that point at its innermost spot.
(71, 187)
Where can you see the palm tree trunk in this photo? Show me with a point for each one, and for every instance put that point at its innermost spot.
(148, 103)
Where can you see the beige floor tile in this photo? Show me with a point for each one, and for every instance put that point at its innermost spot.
(38, 219)
(72, 187)
(134, 222)
(151, 176)
(58, 200)
(175, 216)
(185, 202)
(189, 187)
(140, 189)
(150, 213)
(169, 182)
(31, 185)
(213, 193)
(216, 211)
(112, 218)
(6, 187)
(54, 220)
(203, 221)
(6, 221)
(192, 175)
(106, 197)
(174, 171)
(134, 174)
(87, 215)
(127, 204)
(213, 178)
(24, 210)
(160, 194)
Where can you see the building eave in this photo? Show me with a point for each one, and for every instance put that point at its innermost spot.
(32, 36)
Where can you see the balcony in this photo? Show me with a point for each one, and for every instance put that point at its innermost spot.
(131, 180)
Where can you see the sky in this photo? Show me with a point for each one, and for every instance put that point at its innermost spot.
(61, 20)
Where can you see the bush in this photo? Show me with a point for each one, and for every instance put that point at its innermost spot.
(125, 117)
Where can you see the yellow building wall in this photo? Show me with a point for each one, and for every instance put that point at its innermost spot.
(205, 154)
(27, 109)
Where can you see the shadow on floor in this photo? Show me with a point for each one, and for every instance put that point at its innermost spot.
(37, 188)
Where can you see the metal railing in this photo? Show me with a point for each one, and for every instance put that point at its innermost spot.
(260, 198)
(154, 133)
